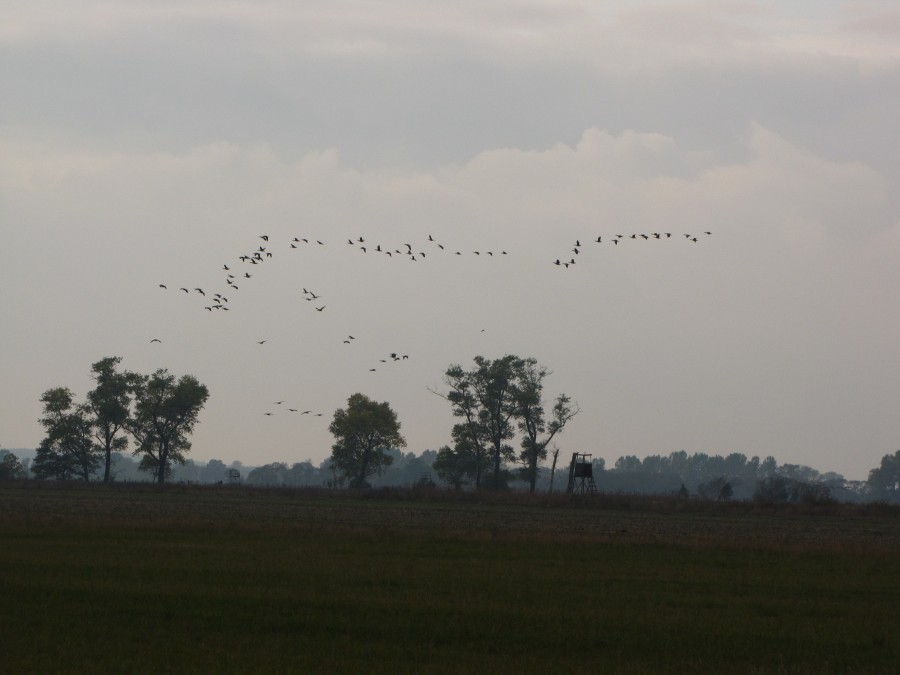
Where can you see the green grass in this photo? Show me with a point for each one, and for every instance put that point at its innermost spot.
(119, 580)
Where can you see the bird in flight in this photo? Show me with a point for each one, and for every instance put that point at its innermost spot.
(319, 309)
(155, 340)
(163, 286)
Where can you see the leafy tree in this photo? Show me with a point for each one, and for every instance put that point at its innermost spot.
(10, 466)
(363, 432)
(68, 449)
(165, 412)
(110, 403)
(628, 463)
(455, 466)
(274, 474)
(884, 481)
(485, 397)
(531, 416)
(215, 471)
(304, 473)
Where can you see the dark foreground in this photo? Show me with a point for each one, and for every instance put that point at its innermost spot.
(139, 579)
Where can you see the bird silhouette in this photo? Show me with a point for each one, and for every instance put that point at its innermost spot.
(155, 340)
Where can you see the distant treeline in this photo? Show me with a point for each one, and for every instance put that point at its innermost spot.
(690, 475)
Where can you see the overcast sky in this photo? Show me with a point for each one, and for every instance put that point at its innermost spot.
(147, 143)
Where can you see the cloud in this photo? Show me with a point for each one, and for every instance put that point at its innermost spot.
(147, 143)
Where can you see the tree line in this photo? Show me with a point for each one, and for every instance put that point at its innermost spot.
(498, 402)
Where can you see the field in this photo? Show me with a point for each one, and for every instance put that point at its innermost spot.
(130, 578)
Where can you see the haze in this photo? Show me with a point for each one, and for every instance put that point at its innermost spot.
(153, 143)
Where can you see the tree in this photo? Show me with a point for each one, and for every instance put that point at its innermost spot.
(215, 471)
(165, 413)
(110, 403)
(553, 468)
(485, 397)
(455, 466)
(884, 481)
(363, 433)
(68, 449)
(529, 409)
(10, 466)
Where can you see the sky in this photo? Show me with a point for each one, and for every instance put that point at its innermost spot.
(147, 143)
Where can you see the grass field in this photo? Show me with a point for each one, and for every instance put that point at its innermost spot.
(194, 579)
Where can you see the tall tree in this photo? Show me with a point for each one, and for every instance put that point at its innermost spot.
(884, 480)
(110, 404)
(165, 412)
(363, 433)
(68, 450)
(485, 397)
(537, 432)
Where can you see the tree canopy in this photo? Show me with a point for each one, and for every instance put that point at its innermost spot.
(884, 480)
(68, 450)
(110, 404)
(165, 412)
(494, 399)
(363, 432)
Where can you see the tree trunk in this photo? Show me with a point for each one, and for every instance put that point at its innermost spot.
(361, 479)
(108, 448)
(532, 471)
(553, 469)
(161, 465)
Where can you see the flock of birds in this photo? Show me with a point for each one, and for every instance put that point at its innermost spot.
(235, 278)
(623, 238)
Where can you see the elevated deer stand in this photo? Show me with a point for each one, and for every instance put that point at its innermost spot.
(581, 475)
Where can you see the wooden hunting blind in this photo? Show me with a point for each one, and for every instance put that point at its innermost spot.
(581, 474)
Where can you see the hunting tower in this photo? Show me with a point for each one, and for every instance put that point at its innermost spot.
(581, 475)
